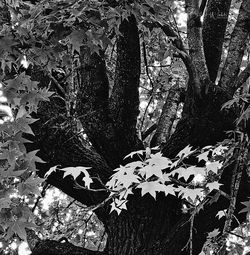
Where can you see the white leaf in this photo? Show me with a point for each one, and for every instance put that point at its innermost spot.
(75, 171)
(191, 193)
(151, 188)
(51, 170)
(140, 152)
(153, 170)
(118, 205)
(185, 152)
(213, 185)
(87, 180)
(203, 156)
(221, 214)
(128, 179)
(114, 208)
(159, 161)
(166, 177)
(169, 189)
(187, 172)
(213, 166)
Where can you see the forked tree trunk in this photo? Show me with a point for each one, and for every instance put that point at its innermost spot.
(148, 226)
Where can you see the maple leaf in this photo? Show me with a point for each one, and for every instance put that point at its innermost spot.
(128, 179)
(22, 124)
(166, 177)
(214, 185)
(159, 161)
(187, 172)
(76, 39)
(111, 183)
(115, 208)
(169, 189)
(221, 214)
(214, 166)
(152, 170)
(32, 159)
(203, 156)
(191, 193)
(185, 152)
(19, 229)
(51, 170)
(31, 186)
(118, 205)
(76, 171)
(151, 188)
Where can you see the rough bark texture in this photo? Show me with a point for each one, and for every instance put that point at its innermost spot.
(236, 49)
(195, 42)
(214, 27)
(124, 100)
(167, 117)
(92, 106)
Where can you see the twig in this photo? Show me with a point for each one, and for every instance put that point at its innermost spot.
(79, 186)
(231, 233)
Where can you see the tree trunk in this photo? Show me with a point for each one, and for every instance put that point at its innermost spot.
(148, 226)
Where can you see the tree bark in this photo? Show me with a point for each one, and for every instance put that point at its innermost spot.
(168, 116)
(236, 49)
(214, 27)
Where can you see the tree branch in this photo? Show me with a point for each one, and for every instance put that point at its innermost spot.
(236, 49)
(214, 27)
(124, 100)
(183, 54)
(195, 42)
(168, 116)
(92, 105)
(59, 145)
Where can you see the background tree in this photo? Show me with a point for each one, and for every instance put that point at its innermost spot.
(91, 54)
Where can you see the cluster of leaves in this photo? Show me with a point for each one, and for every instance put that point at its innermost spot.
(19, 185)
(155, 173)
